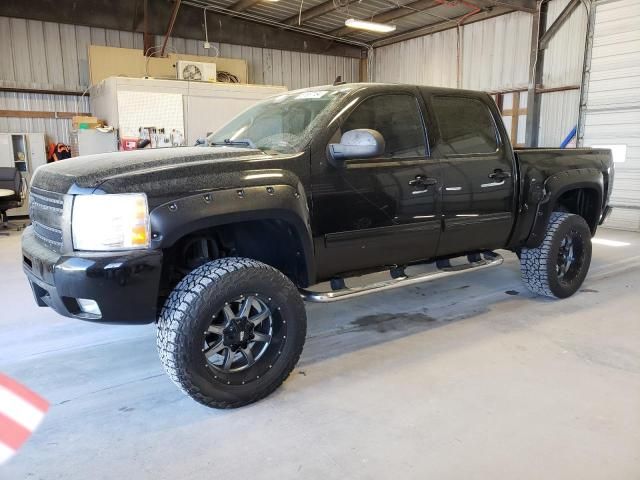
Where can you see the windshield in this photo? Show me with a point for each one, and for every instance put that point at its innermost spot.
(281, 123)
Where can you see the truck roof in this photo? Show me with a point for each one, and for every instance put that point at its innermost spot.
(390, 86)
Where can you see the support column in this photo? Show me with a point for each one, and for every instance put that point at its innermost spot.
(586, 72)
(148, 40)
(536, 64)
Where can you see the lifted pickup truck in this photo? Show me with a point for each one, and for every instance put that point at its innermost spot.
(220, 244)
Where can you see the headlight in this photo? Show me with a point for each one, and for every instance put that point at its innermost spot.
(110, 222)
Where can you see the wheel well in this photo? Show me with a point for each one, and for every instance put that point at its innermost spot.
(583, 202)
(271, 241)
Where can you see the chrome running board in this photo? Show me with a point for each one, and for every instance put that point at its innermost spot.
(477, 262)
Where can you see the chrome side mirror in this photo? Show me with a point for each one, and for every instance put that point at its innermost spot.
(359, 143)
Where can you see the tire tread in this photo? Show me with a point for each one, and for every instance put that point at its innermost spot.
(534, 262)
(180, 308)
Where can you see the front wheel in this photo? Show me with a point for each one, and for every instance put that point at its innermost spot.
(231, 332)
(560, 264)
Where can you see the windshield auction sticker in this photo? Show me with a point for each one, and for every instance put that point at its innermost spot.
(315, 94)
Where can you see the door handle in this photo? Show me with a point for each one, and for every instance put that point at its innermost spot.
(499, 175)
(422, 181)
(422, 184)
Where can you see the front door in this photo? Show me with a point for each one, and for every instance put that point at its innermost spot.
(378, 211)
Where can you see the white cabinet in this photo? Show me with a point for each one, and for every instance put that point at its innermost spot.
(91, 141)
(37, 150)
(193, 108)
(6, 150)
(26, 151)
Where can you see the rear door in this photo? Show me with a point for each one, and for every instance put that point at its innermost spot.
(477, 174)
(378, 211)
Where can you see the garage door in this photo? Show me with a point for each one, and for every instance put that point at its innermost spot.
(613, 102)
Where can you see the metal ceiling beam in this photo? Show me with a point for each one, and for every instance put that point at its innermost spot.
(118, 15)
(242, 5)
(313, 12)
(172, 22)
(529, 6)
(440, 26)
(330, 6)
(148, 41)
(393, 14)
(557, 24)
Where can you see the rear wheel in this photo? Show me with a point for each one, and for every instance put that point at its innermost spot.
(231, 332)
(560, 264)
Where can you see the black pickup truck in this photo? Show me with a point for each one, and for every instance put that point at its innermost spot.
(220, 244)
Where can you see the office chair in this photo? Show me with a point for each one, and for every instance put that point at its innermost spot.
(11, 180)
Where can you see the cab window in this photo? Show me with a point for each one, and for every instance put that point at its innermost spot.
(466, 125)
(397, 117)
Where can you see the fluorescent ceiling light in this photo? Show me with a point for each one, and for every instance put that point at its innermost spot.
(370, 26)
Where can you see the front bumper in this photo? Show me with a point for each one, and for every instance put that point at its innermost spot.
(123, 284)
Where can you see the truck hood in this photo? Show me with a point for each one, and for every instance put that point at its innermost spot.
(90, 171)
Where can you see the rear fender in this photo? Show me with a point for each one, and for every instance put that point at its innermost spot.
(554, 187)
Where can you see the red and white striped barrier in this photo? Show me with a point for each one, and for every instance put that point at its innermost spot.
(21, 411)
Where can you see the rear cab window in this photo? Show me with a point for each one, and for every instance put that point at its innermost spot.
(466, 125)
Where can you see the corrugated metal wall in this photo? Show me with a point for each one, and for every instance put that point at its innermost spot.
(613, 102)
(495, 53)
(563, 61)
(558, 115)
(57, 130)
(564, 56)
(428, 60)
(54, 56)
(495, 56)
(277, 67)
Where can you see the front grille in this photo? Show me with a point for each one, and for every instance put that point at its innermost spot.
(45, 210)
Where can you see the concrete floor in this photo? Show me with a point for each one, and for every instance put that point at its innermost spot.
(468, 378)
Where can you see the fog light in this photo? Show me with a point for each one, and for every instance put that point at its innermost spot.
(89, 306)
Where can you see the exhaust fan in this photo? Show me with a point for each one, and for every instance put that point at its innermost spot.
(196, 71)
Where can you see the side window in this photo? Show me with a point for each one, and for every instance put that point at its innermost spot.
(397, 118)
(466, 125)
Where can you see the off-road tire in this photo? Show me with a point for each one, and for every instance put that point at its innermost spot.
(187, 313)
(538, 265)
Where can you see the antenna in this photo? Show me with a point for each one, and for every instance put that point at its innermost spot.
(338, 80)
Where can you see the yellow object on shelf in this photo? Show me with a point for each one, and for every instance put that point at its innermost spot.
(83, 121)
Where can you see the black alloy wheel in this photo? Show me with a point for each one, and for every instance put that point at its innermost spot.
(245, 333)
(231, 332)
(570, 256)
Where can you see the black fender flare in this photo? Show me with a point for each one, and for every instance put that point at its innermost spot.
(554, 187)
(173, 220)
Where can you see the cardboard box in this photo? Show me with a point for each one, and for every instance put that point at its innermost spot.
(90, 122)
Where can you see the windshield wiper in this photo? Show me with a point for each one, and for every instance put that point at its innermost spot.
(242, 142)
